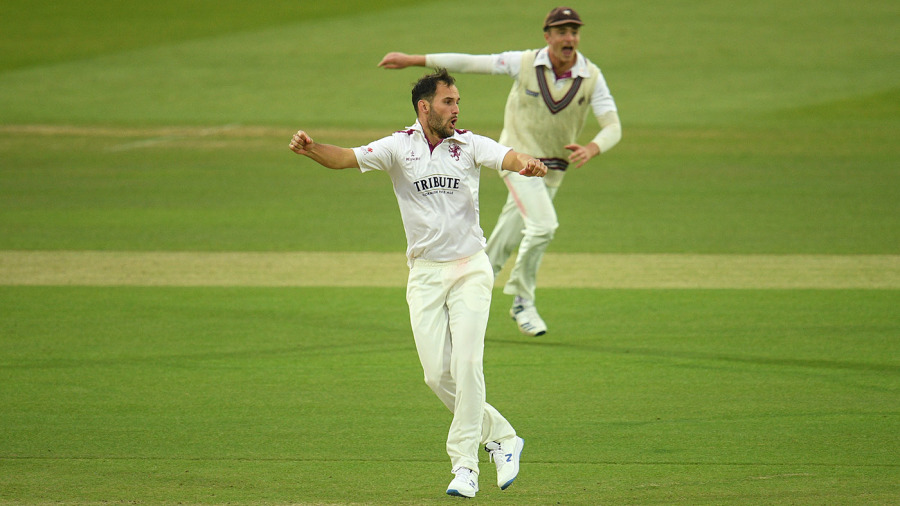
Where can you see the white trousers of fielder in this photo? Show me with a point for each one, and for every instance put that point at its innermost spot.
(527, 222)
(449, 304)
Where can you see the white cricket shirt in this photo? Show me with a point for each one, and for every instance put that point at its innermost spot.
(436, 189)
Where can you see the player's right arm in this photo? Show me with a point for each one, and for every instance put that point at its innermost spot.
(397, 60)
(454, 62)
(327, 155)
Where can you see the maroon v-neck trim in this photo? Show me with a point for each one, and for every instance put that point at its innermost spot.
(553, 105)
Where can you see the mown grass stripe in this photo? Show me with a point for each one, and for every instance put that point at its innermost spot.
(559, 270)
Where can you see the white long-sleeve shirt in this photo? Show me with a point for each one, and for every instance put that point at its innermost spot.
(509, 63)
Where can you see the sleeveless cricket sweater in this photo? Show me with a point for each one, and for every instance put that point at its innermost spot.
(540, 120)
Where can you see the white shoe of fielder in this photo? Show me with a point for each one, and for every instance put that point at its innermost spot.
(528, 319)
(465, 484)
(505, 455)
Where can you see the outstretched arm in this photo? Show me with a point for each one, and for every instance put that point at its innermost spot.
(525, 165)
(333, 157)
(402, 60)
(454, 62)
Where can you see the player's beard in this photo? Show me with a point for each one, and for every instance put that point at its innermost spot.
(437, 124)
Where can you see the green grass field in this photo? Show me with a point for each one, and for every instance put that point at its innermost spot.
(722, 294)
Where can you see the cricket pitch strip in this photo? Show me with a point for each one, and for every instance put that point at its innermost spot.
(347, 269)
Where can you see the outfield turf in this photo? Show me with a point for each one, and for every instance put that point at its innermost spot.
(191, 314)
(274, 395)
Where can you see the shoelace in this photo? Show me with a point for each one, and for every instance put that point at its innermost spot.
(497, 452)
(463, 472)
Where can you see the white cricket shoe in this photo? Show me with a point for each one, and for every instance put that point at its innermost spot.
(528, 320)
(465, 484)
(505, 455)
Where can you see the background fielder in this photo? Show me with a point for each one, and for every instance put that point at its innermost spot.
(435, 172)
(554, 89)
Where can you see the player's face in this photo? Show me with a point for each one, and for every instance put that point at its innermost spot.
(444, 111)
(562, 41)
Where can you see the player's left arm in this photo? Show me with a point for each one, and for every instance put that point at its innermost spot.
(610, 134)
(525, 165)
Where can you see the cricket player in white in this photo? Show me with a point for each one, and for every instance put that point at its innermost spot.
(435, 173)
(555, 88)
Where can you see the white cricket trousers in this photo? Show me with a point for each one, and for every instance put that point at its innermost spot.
(449, 304)
(527, 222)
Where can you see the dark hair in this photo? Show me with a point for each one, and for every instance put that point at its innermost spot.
(426, 87)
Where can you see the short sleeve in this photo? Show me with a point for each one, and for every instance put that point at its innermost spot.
(376, 155)
(488, 153)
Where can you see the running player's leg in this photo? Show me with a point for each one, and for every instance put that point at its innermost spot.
(535, 205)
(506, 236)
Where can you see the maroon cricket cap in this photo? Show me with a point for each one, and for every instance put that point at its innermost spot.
(562, 16)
